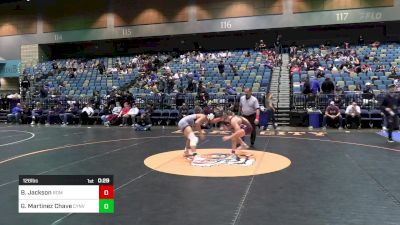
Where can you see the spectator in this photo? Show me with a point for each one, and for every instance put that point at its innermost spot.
(338, 101)
(111, 118)
(143, 124)
(203, 96)
(71, 111)
(148, 111)
(262, 46)
(106, 111)
(234, 69)
(306, 87)
(314, 86)
(368, 94)
(133, 112)
(270, 109)
(180, 98)
(256, 46)
(26, 116)
(375, 44)
(295, 69)
(390, 105)
(380, 68)
(361, 40)
(190, 87)
(250, 110)
(37, 113)
(101, 67)
(25, 85)
(230, 90)
(55, 114)
(221, 67)
(87, 112)
(4, 102)
(396, 82)
(327, 86)
(44, 92)
(393, 72)
(353, 115)
(183, 110)
(124, 114)
(278, 45)
(15, 115)
(332, 116)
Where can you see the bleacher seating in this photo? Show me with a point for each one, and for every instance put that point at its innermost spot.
(386, 55)
(250, 73)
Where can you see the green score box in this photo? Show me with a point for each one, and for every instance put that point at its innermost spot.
(106, 206)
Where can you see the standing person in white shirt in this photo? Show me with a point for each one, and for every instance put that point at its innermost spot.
(250, 109)
(87, 112)
(353, 115)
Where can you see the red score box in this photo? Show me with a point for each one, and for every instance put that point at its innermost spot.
(106, 192)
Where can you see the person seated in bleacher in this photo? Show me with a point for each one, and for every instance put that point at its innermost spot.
(86, 114)
(111, 116)
(397, 85)
(124, 114)
(368, 94)
(353, 116)
(69, 113)
(53, 115)
(26, 116)
(15, 115)
(37, 113)
(338, 100)
(229, 90)
(394, 72)
(380, 68)
(183, 111)
(295, 69)
(133, 112)
(332, 116)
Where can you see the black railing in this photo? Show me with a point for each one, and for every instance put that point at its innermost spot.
(166, 101)
(321, 101)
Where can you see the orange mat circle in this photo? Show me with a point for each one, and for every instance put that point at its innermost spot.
(173, 162)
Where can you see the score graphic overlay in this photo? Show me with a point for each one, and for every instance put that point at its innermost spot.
(66, 194)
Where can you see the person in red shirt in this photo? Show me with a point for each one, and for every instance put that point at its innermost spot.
(294, 69)
(124, 114)
(332, 115)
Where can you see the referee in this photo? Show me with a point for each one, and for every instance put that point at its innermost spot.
(250, 109)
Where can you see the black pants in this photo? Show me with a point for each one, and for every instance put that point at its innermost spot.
(353, 121)
(84, 117)
(391, 124)
(251, 119)
(271, 117)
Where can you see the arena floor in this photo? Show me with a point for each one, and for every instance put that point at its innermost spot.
(333, 178)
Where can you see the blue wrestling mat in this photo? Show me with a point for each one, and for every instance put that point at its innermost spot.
(396, 135)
